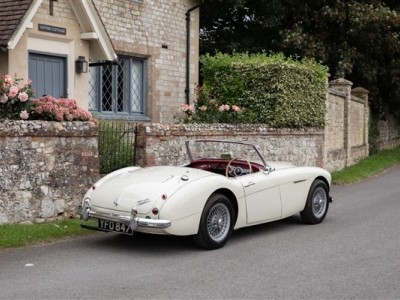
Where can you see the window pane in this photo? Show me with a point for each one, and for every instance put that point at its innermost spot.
(123, 86)
(118, 89)
(106, 88)
(93, 97)
(136, 86)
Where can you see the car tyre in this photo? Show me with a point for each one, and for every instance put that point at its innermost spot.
(216, 223)
(317, 203)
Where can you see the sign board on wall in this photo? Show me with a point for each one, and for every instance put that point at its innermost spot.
(52, 29)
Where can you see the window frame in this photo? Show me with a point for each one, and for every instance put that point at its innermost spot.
(97, 87)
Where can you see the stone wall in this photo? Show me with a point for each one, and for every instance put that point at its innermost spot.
(161, 144)
(45, 169)
(346, 125)
(343, 141)
(389, 133)
(334, 149)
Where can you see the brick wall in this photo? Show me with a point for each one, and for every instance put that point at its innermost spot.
(45, 169)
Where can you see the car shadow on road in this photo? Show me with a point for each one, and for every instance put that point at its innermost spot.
(152, 244)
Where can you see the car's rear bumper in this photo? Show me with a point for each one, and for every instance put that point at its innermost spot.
(132, 220)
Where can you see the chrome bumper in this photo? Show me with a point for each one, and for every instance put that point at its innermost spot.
(132, 220)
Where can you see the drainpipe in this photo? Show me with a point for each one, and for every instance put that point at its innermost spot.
(187, 89)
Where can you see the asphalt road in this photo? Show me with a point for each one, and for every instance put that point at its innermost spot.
(353, 254)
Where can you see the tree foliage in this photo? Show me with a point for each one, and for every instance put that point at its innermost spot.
(356, 40)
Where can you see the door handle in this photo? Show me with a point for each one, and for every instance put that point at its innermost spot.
(249, 184)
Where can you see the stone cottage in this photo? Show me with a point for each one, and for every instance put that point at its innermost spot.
(120, 59)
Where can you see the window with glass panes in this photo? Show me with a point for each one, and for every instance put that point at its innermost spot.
(118, 90)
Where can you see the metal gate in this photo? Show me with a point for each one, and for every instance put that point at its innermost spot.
(116, 144)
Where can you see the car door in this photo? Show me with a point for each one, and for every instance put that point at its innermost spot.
(263, 202)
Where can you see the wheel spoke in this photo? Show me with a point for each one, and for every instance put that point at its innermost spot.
(218, 222)
(319, 202)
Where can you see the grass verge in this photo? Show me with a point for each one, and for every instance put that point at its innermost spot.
(367, 167)
(19, 235)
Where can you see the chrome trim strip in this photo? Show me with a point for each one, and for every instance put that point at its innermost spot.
(298, 181)
(131, 220)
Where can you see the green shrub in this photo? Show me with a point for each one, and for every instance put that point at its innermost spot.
(270, 89)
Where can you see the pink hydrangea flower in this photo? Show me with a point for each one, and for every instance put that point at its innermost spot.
(62, 109)
(24, 115)
(69, 117)
(13, 91)
(59, 116)
(39, 109)
(23, 97)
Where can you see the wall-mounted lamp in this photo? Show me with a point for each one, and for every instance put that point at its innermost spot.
(81, 65)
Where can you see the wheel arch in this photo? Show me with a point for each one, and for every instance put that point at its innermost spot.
(316, 207)
(232, 198)
(322, 178)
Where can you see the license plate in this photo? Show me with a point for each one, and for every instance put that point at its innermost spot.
(115, 226)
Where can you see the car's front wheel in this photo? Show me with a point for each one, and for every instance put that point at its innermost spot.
(317, 203)
(216, 223)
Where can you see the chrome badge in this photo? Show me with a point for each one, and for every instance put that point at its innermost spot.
(117, 200)
(144, 201)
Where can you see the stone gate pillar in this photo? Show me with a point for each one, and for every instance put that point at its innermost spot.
(344, 86)
(363, 94)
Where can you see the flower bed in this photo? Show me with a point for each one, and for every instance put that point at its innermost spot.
(18, 103)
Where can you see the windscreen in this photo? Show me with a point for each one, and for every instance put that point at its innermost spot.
(222, 149)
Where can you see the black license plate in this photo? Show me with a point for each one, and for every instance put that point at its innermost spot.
(115, 226)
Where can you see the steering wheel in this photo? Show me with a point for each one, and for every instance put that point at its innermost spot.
(229, 168)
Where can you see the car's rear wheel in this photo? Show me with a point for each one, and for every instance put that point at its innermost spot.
(317, 203)
(216, 223)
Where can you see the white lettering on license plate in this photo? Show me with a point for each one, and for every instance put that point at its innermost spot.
(115, 226)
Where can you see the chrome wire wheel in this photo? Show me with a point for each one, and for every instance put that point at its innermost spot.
(218, 222)
(319, 202)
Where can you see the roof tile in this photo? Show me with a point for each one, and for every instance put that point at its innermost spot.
(11, 14)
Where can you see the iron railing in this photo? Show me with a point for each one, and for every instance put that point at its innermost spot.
(116, 144)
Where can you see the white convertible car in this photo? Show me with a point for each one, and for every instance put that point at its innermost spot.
(225, 186)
